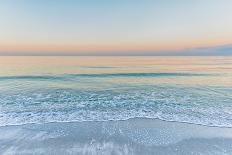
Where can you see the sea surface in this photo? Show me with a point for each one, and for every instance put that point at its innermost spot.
(196, 90)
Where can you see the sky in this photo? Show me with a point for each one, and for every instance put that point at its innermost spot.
(85, 27)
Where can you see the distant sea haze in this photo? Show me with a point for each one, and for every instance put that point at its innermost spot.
(223, 50)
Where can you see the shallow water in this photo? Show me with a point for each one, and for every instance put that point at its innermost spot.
(196, 90)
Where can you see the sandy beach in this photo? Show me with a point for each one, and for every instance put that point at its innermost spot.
(134, 136)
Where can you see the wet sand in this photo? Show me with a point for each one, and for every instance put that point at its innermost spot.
(134, 136)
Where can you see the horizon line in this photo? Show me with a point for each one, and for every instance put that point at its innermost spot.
(218, 50)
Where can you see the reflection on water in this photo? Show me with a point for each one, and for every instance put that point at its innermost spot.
(13, 66)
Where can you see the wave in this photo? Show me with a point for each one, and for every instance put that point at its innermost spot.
(103, 75)
(181, 104)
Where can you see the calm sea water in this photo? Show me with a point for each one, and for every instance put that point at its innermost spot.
(64, 89)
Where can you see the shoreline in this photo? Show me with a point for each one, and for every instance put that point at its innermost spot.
(121, 120)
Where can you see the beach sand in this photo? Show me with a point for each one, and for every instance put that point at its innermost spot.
(133, 136)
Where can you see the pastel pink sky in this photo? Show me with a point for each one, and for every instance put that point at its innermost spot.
(125, 25)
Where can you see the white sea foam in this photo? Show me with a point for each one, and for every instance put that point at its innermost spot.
(171, 103)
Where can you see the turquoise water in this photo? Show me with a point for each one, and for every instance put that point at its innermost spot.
(67, 89)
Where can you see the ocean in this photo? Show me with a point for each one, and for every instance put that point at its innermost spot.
(40, 90)
(115, 105)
